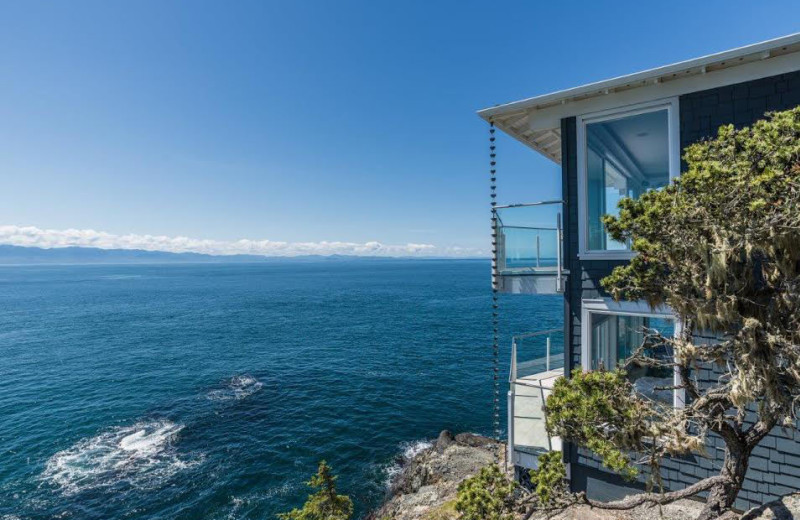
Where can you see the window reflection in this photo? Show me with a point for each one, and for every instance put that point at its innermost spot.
(624, 158)
(614, 338)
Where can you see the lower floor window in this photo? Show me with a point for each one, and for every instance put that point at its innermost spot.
(612, 332)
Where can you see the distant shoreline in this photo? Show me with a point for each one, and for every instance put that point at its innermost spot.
(19, 256)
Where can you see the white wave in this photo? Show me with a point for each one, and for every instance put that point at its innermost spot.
(239, 387)
(408, 450)
(142, 455)
(412, 449)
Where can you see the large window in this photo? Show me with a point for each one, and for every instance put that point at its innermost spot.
(612, 332)
(625, 153)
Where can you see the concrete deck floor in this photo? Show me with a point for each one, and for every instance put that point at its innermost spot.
(530, 434)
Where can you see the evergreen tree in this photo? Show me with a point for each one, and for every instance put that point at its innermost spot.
(721, 247)
(325, 503)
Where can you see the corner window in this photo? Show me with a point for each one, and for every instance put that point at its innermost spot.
(624, 154)
(612, 332)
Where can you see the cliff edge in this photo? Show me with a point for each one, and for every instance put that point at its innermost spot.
(425, 489)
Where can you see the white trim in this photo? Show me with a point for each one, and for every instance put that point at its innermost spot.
(704, 67)
(673, 120)
(639, 308)
(525, 120)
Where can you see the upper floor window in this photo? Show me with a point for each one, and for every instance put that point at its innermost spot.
(624, 153)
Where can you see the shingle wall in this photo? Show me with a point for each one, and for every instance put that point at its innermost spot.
(775, 465)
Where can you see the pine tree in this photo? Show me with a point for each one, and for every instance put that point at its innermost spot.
(721, 247)
(325, 503)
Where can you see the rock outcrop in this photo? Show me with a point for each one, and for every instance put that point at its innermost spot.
(426, 487)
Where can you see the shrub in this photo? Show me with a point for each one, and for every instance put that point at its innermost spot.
(324, 504)
(489, 495)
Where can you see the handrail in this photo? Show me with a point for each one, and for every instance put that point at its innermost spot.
(530, 247)
(529, 227)
(526, 335)
(512, 373)
(528, 204)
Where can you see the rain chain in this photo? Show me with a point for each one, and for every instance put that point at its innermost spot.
(495, 315)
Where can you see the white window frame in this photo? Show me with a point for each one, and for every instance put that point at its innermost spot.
(641, 309)
(673, 132)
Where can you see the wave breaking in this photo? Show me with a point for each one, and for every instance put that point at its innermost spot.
(237, 388)
(142, 455)
(408, 450)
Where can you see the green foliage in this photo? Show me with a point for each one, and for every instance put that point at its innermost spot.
(721, 247)
(489, 495)
(324, 504)
(600, 410)
(549, 478)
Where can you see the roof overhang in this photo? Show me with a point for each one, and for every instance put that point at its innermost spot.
(536, 121)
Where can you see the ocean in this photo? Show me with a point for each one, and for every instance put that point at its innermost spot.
(211, 391)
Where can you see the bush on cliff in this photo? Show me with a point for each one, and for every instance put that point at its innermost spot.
(324, 504)
(489, 495)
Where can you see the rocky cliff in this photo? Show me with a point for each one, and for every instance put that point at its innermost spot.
(426, 488)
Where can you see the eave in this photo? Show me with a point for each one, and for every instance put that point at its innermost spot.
(536, 121)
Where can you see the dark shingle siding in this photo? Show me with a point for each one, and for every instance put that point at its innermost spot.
(775, 465)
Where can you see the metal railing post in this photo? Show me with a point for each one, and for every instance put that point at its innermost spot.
(510, 450)
(538, 252)
(559, 240)
(548, 353)
(512, 374)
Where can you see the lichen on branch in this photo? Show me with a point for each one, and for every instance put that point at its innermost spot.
(720, 246)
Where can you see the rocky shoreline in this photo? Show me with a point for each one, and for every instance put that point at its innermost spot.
(427, 485)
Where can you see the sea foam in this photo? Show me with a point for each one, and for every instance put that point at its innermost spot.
(142, 455)
(408, 450)
(236, 388)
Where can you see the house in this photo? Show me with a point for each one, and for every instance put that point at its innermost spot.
(618, 138)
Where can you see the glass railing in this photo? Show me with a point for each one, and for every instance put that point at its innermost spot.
(529, 237)
(534, 353)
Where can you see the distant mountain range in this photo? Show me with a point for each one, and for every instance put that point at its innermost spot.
(18, 255)
(91, 255)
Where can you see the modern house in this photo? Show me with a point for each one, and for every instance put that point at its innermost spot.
(618, 138)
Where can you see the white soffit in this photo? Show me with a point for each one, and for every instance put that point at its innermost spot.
(536, 121)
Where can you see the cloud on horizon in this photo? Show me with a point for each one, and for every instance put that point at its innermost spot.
(31, 236)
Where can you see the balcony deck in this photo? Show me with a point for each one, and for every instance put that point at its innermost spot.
(531, 280)
(528, 241)
(529, 419)
(530, 383)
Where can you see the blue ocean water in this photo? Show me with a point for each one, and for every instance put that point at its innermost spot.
(212, 391)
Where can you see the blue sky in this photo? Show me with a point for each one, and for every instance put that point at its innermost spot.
(301, 121)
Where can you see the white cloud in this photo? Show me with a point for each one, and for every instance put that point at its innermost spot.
(32, 236)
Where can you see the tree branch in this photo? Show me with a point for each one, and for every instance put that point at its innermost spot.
(759, 430)
(656, 498)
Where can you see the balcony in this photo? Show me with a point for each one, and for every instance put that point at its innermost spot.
(529, 248)
(537, 360)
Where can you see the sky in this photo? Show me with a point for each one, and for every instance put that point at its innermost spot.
(345, 126)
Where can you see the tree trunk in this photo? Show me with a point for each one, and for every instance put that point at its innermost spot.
(722, 496)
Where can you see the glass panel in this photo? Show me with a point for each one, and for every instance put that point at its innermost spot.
(615, 337)
(624, 158)
(527, 237)
(532, 352)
